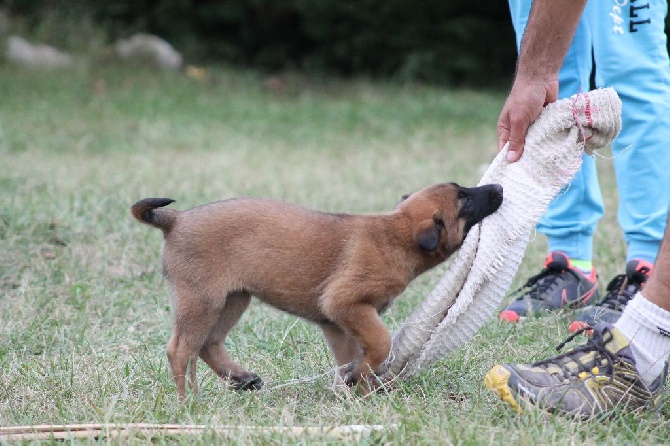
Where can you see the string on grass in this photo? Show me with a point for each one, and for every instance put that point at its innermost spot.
(149, 430)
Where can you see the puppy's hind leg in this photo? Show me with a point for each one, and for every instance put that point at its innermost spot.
(194, 318)
(214, 352)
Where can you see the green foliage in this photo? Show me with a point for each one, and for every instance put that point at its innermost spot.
(456, 42)
(451, 42)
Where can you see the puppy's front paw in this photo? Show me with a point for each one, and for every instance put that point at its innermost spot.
(366, 384)
(246, 381)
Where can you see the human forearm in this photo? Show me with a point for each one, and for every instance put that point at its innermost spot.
(549, 32)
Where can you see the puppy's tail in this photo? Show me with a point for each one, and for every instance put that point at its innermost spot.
(147, 211)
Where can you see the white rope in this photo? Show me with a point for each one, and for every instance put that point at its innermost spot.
(474, 284)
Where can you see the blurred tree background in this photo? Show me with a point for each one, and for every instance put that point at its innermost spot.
(454, 42)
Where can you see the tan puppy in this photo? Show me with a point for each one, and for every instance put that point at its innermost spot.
(336, 270)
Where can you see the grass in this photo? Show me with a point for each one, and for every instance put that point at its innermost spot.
(84, 311)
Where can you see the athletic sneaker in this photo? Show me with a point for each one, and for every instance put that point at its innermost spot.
(594, 379)
(558, 286)
(619, 292)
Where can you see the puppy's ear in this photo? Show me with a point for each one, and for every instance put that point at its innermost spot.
(427, 234)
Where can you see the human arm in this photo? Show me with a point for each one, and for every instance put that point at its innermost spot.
(547, 37)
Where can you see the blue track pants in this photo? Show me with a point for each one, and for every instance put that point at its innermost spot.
(626, 39)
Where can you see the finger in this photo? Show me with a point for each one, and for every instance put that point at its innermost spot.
(517, 140)
(503, 127)
(514, 151)
(512, 133)
(503, 137)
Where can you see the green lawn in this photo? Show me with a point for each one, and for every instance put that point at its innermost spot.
(84, 310)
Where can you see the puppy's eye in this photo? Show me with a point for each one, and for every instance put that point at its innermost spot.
(405, 197)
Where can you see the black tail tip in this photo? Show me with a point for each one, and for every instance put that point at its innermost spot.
(143, 209)
(156, 202)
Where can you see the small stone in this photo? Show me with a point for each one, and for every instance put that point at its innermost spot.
(22, 52)
(149, 49)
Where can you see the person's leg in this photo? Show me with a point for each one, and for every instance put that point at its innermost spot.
(646, 319)
(571, 218)
(657, 290)
(630, 51)
(568, 278)
(621, 367)
(632, 57)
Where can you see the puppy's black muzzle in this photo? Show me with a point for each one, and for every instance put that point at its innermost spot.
(478, 203)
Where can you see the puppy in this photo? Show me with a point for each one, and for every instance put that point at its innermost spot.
(339, 271)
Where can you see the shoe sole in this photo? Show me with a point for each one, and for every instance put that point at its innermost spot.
(496, 380)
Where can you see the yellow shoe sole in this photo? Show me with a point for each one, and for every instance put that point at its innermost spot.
(496, 381)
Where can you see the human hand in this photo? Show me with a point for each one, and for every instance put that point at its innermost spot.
(522, 107)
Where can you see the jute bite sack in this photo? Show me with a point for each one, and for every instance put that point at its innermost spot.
(474, 284)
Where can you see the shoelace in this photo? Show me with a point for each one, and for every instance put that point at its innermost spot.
(620, 291)
(550, 276)
(595, 343)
